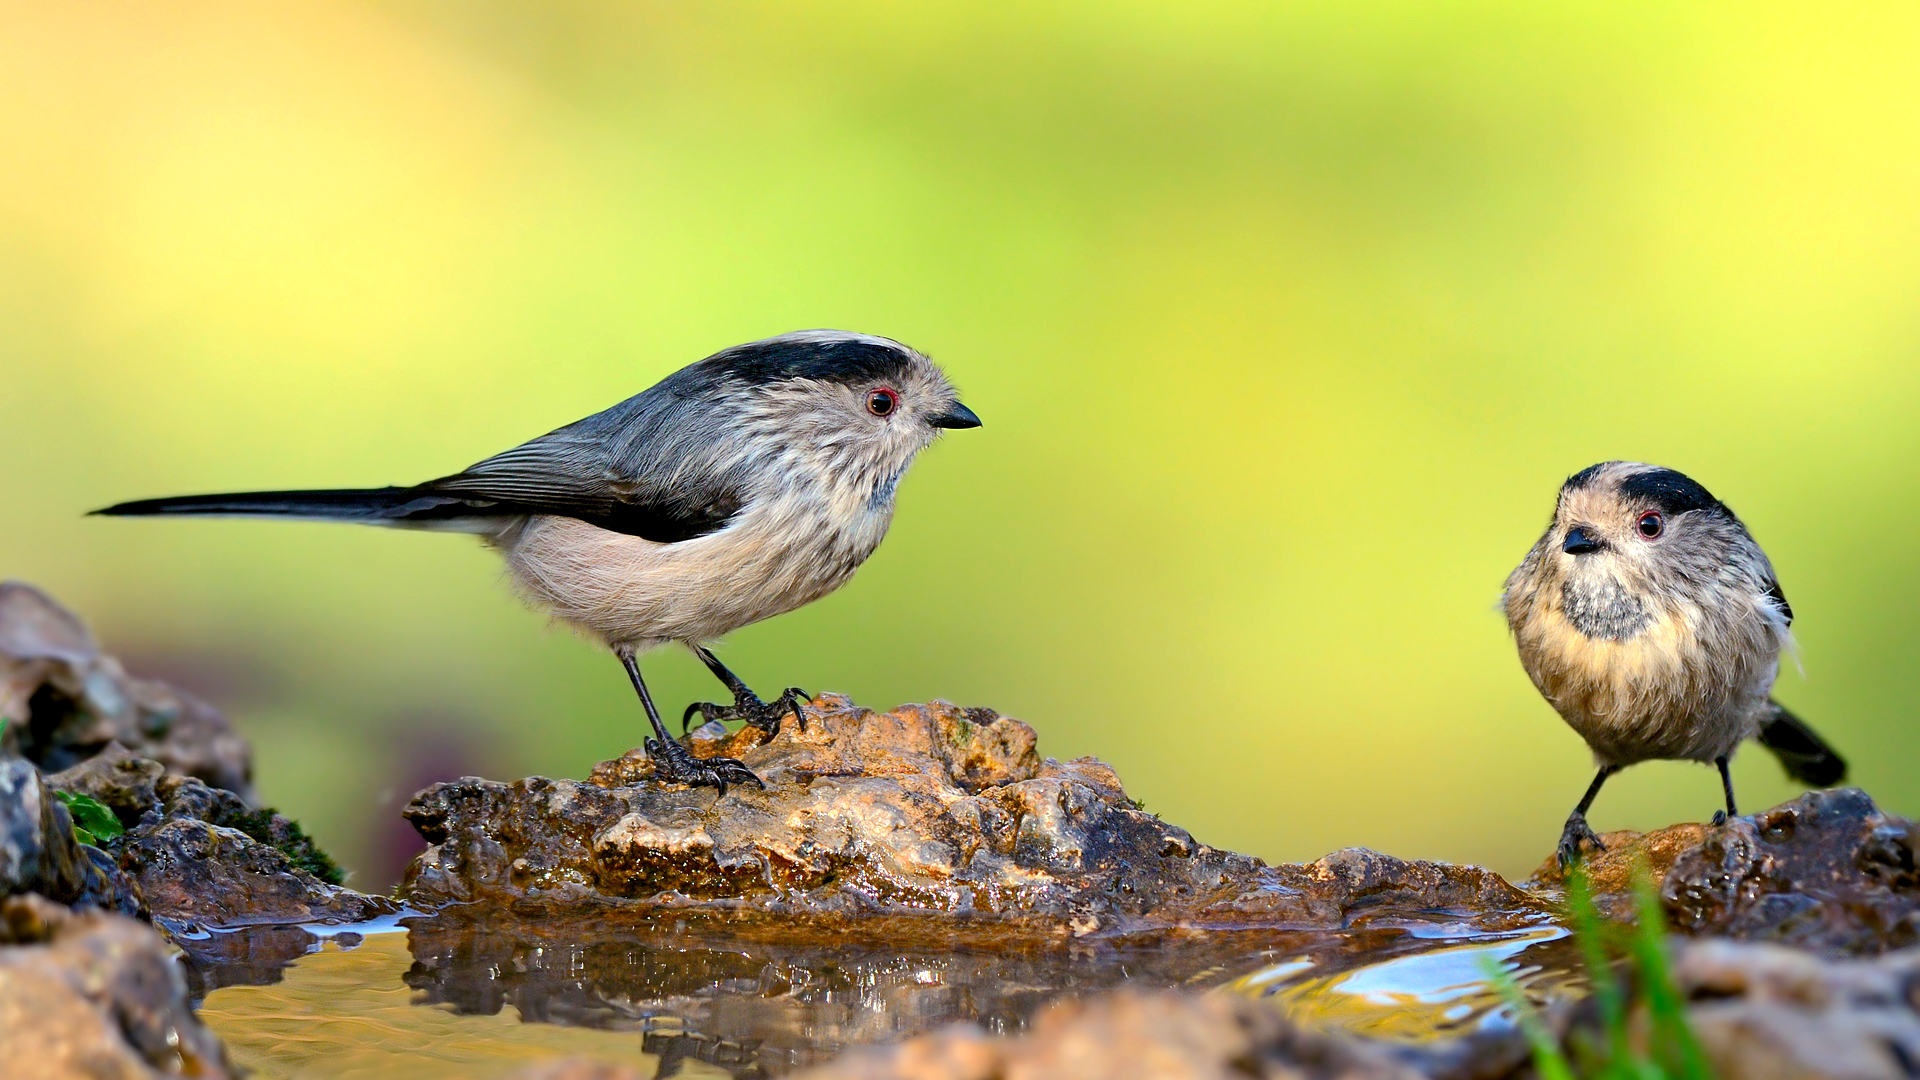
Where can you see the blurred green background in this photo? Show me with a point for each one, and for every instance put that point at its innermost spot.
(1285, 320)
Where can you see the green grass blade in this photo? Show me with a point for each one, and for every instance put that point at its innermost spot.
(1548, 1060)
(1674, 1043)
(1590, 935)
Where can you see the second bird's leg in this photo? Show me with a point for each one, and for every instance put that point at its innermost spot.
(671, 761)
(1577, 831)
(747, 705)
(1726, 784)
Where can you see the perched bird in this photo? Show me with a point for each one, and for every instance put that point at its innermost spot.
(1649, 618)
(738, 488)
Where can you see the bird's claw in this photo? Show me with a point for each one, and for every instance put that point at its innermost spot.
(1576, 832)
(673, 764)
(1719, 818)
(764, 715)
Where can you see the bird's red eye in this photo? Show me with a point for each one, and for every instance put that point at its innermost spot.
(881, 402)
(1651, 523)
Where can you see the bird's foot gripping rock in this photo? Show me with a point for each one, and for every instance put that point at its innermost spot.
(1576, 833)
(673, 764)
(765, 715)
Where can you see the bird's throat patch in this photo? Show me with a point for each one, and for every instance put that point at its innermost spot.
(1600, 607)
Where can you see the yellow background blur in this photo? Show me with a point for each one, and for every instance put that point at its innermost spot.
(1285, 321)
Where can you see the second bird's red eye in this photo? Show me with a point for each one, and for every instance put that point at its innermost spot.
(882, 402)
(1651, 523)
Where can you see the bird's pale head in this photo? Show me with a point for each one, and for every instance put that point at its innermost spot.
(852, 405)
(1628, 541)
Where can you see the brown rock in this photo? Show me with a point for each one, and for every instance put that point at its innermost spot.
(95, 995)
(194, 871)
(1764, 1012)
(119, 780)
(1826, 871)
(1611, 872)
(926, 809)
(64, 701)
(1165, 1036)
(201, 855)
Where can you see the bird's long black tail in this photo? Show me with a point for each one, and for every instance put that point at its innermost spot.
(372, 506)
(1804, 754)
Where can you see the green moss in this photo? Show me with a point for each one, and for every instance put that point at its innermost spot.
(285, 835)
(92, 822)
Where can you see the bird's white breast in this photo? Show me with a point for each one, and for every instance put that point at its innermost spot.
(784, 550)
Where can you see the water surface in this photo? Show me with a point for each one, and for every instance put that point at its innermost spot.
(441, 998)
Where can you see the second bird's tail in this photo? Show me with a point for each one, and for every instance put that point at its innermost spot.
(414, 507)
(1804, 754)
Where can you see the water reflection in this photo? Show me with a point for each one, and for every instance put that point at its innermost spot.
(742, 998)
(1438, 990)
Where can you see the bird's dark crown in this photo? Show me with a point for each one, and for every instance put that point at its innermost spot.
(1667, 490)
(854, 360)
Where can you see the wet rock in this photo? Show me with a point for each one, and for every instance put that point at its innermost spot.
(928, 809)
(39, 853)
(1763, 1011)
(1128, 1034)
(168, 766)
(94, 995)
(1827, 871)
(201, 855)
(194, 871)
(64, 701)
(1611, 872)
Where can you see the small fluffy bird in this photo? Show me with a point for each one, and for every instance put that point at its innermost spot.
(1648, 617)
(738, 488)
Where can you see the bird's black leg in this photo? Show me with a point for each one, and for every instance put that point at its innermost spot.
(1577, 830)
(1726, 784)
(747, 705)
(671, 761)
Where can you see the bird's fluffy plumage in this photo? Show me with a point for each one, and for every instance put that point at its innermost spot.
(1662, 648)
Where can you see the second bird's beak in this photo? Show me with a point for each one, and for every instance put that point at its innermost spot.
(956, 416)
(1581, 541)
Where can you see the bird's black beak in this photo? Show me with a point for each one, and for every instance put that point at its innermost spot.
(956, 416)
(1581, 541)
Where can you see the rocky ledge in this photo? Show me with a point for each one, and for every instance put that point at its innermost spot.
(124, 802)
(1828, 871)
(187, 844)
(928, 810)
(200, 855)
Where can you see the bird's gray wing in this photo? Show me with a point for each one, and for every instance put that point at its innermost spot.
(647, 467)
(1779, 597)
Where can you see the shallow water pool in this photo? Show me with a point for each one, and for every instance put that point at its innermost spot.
(434, 998)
